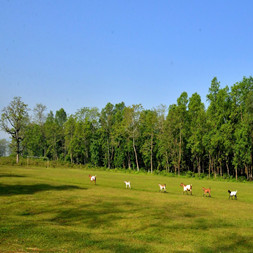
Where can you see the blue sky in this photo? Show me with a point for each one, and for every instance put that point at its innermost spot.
(76, 53)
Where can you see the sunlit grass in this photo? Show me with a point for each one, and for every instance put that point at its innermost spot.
(60, 210)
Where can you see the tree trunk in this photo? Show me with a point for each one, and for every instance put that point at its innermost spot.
(214, 168)
(251, 166)
(247, 171)
(217, 166)
(18, 150)
(199, 167)
(209, 166)
(108, 154)
(112, 154)
(151, 154)
(128, 160)
(136, 158)
(227, 167)
(167, 162)
(180, 152)
(221, 172)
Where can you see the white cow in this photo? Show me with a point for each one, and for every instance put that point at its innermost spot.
(187, 188)
(93, 178)
(128, 184)
(232, 194)
(162, 187)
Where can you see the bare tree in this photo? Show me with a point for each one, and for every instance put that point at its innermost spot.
(4, 146)
(39, 114)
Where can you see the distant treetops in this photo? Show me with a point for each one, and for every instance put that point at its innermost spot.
(187, 137)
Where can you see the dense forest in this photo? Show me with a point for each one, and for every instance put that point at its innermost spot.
(186, 137)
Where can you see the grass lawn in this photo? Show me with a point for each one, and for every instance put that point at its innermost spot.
(60, 210)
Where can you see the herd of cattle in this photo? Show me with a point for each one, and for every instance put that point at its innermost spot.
(186, 188)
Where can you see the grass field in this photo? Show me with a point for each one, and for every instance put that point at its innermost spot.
(59, 210)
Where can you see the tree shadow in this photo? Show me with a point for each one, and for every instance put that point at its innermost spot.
(197, 219)
(9, 190)
(10, 175)
(103, 214)
(230, 243)
(71, 240)
(196, 222)
(121, 246)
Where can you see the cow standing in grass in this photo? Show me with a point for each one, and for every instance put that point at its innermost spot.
(128, 184)
(232, 194)
(187, 188)
(93, 178)
(206, 191)
(162, 187)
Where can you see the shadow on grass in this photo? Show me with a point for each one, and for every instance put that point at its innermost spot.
(103, 214)
(10, 175)
(85, 241)
(50, 239)
(122, 246)
(230, 243)
(104, 222)
(9, 190)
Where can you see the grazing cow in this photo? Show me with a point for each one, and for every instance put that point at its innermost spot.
(187, 188)
(127, 184)
(162, 187)
(206, 191)
(93, 178)
(232, 194)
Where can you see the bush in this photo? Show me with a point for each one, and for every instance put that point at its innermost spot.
(189, 174)
(164, 173)
(242, 179)
(156, 172)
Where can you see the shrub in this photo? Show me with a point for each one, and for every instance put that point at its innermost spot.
(189, 174)
(242, 179)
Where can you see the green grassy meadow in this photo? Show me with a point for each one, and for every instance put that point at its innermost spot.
(60, 210)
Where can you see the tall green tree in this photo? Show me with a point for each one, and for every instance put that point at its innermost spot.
(197, 126)
(249, 119)
(14, 120)
(213, 124)
(162, 146)
(90, 141)
(53, 137)
(182, 126)
(34, 143)
(69, 131)
(171, 136)
(131, 126)
(241, 116)
(60, 117)
(106, 121)
(149, 125)
(118, 138)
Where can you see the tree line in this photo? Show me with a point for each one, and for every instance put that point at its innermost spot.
(186, 137)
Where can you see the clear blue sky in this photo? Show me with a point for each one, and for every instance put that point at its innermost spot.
(76, 53)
